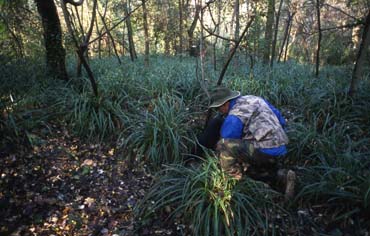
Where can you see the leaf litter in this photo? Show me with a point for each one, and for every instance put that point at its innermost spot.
(64, 186)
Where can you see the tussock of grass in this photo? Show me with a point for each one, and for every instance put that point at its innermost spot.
(160, 133)
(210, 202)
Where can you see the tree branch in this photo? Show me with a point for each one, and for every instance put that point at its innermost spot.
(216, 35)
(233, 51)
(74, 3)
(89, 32)
(341, 11)
(344, 26)
(117, 24)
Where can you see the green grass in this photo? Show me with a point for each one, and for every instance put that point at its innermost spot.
(154, 113)
(210, 202)
(160, 133)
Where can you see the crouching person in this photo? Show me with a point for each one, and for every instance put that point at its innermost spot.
(252, 137)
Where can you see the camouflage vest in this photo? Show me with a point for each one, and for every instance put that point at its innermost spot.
(261, 126)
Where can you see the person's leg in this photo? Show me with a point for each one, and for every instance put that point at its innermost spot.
(238, 156)
(232, 154)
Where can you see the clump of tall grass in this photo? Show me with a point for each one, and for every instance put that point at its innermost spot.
(90, 116)
(209, 201)
(341, 183)
(159, 132)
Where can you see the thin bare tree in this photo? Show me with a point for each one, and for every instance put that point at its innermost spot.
(146, 33)
(361, 56)
(131, 43)
(318, 7)
(268, 31)
(273, 48)
(81, 47)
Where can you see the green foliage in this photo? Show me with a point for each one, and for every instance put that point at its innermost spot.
(90, 116)
(151, 112)
(210, 201)
(161, 133)
(23, 104)
(342, 180)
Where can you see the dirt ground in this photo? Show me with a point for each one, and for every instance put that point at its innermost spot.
(62, 186)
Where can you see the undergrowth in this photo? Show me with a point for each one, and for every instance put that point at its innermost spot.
(153, 114)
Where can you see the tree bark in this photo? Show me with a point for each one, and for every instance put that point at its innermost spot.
(217, 32)
(55, 52)
(268, 31)
(146, 34)
(18, 48)
(318, 6)
(285, 36)
(130, 34)
(237, 19)
(181, 3)
(192, 28)
(273, 49)
(99, 33)
(361, 56)
(287, 42)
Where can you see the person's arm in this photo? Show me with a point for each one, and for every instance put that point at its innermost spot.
(232, 128)
(277, 113)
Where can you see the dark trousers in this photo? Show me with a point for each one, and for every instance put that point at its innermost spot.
(237, 156)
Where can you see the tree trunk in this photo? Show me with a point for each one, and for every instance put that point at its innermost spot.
(361, 56)
(99, 34)
(123, 40)
(218, 33)
(237, 19)
(130, 34)
(146, 33)
(18, 48)
(268, 31)
(285, 36)
(82, 48)
(273, 49)
(191, 30)
(181, 3)
(287, 42)
(167, 37)
(318, 6)
(55, 52)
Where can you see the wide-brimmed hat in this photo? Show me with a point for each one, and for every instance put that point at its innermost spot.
(220, 95)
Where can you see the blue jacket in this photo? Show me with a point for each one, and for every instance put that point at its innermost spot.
(233, 128)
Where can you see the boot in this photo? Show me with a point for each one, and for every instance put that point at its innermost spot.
(290, 185)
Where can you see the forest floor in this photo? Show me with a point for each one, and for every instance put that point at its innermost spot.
(64, 187)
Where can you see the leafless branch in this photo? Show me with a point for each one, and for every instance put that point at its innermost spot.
(341, 11)
(234, 50)
(74, 3)
(117, 24)
(89, 32)
(216, 35)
